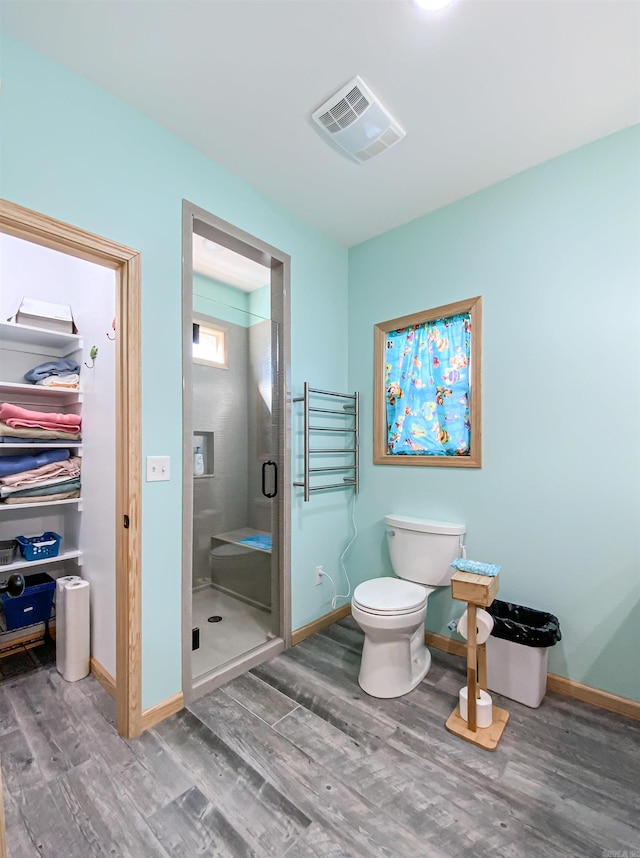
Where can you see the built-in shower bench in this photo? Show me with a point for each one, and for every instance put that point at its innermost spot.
(235, 537)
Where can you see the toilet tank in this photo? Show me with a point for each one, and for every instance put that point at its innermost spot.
(421, 550)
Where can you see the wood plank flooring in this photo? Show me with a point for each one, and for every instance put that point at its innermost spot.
(294, 759)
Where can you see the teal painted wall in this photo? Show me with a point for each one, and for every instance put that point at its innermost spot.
(557, 500)
(554, 252)
(260, 302)
(74, 152)
(212, 298)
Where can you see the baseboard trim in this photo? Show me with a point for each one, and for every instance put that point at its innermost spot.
(150, 717)
(162, 710)
(594, 696)
(318, 625)
(442, 642)
(559, 684)
(103, 676)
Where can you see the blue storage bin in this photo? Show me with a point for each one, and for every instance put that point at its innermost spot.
(40, 547)
(34, 606)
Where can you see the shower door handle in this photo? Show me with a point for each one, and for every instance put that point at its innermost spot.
(264, 480)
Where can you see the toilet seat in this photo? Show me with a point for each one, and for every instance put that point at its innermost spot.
(389, 597)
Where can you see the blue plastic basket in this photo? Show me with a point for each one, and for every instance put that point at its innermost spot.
(39, 547)
(34, 606)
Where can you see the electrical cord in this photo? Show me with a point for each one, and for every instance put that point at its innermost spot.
(342, 556)
(335, 590)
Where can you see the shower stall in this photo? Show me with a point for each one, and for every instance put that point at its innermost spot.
(235, 569)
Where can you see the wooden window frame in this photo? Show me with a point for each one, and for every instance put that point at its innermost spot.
(381, 456)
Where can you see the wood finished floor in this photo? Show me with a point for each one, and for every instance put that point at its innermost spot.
(293, 759)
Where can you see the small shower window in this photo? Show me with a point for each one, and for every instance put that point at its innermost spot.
(209, 345)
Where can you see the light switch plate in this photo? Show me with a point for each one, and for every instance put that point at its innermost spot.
(158, 468)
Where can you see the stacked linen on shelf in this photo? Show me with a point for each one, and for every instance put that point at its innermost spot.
(37, 426)
(21, 418)
(63, 373)
(28, 462)
(55, 479)
(66, 382)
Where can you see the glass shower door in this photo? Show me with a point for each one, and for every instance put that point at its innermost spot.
(235, 592)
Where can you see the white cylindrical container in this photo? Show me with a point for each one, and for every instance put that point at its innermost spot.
(484, 708)
(61, 639)
(73, 659)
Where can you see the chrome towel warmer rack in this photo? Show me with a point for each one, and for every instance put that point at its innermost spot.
(349, 414)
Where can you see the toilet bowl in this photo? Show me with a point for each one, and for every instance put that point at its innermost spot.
(392, 611)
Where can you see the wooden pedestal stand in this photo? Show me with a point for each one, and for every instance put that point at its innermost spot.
(477, 591)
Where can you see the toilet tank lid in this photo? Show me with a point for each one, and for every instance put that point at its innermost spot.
(426, 525)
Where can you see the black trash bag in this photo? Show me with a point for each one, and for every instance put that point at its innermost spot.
(524, 625)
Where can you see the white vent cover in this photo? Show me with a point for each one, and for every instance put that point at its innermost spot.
(355, 120)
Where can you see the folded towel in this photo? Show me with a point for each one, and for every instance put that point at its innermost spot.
(21, 418)
(11, 435)
(67, 382)
(60, 483)
(475, 566)
(17, 464)
(45, 475)
(5, 439)
(262, 541)
(51, 487)
(52, 367)
(42, 499)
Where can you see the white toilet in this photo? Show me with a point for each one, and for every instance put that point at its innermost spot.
(391, 611)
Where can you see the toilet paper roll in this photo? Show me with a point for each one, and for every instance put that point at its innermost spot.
(76, 633)
(484, 625)
(484, 708)
(61, 583)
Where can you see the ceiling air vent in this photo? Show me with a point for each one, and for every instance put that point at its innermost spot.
(356, 121)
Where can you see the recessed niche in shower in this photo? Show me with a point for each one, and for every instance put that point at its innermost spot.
(204, 440)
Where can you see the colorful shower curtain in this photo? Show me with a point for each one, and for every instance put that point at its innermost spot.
(427, 383)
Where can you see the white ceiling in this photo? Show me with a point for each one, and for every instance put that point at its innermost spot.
(484, 88)
(214, 260)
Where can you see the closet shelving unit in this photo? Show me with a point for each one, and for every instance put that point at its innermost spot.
(37, 345)
(322, 407)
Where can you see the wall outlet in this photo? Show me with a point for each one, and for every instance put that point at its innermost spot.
(319, 574)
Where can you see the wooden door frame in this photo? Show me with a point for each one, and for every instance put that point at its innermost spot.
(40, 229)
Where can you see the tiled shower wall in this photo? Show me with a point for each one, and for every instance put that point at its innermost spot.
(260, 423)
(235, 405)
(220, 405)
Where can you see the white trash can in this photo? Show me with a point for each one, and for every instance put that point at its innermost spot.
(518, 650)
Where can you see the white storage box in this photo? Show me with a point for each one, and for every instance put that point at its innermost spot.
(517, 671)
(43, 314)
